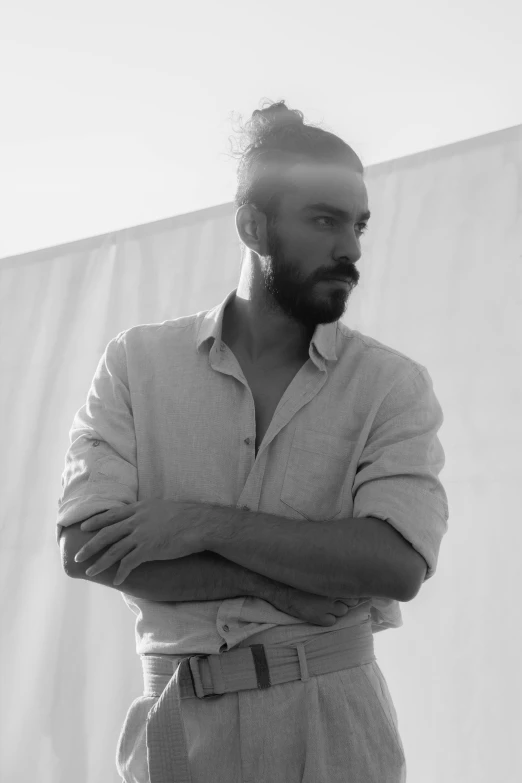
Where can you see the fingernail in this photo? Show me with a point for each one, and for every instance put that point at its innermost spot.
(90, 571)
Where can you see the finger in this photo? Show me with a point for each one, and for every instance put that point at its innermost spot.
(107, 518)
(122, 574)
(102, 539)
(128, 564)
(108, 559)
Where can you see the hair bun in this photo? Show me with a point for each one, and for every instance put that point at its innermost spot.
(277, 115)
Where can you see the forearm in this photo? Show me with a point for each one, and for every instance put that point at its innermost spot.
(347, 556)
(205, 576)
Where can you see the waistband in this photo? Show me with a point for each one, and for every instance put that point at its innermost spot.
(210, 676)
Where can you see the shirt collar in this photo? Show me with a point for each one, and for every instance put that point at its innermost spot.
(324, 337)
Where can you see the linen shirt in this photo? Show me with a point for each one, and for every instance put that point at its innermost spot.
(169, 414)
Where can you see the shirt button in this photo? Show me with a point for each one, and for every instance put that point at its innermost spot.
(225, 627)
(248, 441)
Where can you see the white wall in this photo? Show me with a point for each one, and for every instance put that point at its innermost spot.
(441, 282)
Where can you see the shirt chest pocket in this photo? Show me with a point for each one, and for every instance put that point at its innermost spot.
(316, 474)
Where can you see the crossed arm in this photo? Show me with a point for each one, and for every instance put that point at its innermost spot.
(353, 556)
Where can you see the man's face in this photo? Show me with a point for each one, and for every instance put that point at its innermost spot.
(308, 246)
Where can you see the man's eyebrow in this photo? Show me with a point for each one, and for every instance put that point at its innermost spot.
(340, 213)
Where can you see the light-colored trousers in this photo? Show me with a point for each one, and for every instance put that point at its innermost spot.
(339, 727)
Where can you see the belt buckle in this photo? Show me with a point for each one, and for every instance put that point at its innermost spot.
(197, 681)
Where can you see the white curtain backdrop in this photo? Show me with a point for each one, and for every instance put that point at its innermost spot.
(441, 281)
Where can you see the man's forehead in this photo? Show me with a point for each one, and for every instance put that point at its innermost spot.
(317, 171)
(335, 184)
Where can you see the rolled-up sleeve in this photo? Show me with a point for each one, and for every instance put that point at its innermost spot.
(100, 464)
(397, 478)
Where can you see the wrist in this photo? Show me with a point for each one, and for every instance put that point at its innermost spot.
(259, 586)
(216, 526)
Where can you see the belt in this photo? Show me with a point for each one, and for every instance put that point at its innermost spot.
(242, 668)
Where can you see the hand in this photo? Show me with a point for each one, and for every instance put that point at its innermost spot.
(315, 609)
(144, 531)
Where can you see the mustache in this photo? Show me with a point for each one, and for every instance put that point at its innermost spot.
(347, 276)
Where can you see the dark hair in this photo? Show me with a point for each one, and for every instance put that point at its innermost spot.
(273, 141)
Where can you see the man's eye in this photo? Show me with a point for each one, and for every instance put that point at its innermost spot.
(327, 217)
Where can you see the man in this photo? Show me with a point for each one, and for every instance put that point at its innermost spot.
(283, 460)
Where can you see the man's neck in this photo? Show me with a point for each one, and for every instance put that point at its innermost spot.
(231, 335)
